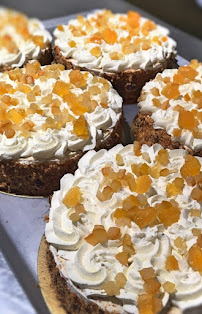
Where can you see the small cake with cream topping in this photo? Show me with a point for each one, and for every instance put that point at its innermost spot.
(127, 49)
(49, 117)
(171, 110)
(22, 39)
(124, 232)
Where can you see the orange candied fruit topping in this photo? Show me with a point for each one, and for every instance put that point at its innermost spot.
(96, 51)
(72, 197)
(77, 78)
(133, 19)
(171, 263)
(80, 127)
(122, 257)
(114, 233)
(186, 120)
(175, 187)
(98, 235)
(109, 36)
(61, 88)
(191, 167)
(169, 287)
(171, 91)
(143, 184)
(168, 213)
(195, 257)
(163, 157)
(137, 148)
(149, 304)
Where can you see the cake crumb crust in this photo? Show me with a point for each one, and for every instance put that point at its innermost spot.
(143, 131)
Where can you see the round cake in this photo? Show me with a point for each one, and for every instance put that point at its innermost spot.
(124, 232)
(127, 49)
(171, 110)
(49, 117)
(22, 39)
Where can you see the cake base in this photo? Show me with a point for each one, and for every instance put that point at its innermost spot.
(127, 83)
(45, 57)
(142, 130)
(42, 178)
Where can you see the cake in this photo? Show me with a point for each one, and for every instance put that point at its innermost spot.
(126, 49)
(171, 110)
(124, 232)
(22, 39)
(49, 117)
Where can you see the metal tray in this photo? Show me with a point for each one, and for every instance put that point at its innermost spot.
(22, 219)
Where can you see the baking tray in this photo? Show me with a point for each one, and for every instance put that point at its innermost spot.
(22, 218)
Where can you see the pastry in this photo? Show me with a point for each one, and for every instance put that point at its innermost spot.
(126, 49)
(22, 39)
(124, 232)
(49, 117)
(171, 110)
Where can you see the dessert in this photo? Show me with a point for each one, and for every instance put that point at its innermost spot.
(126, 49)
(171, 110)
(49, 117)
(22, 39)
(124, 232)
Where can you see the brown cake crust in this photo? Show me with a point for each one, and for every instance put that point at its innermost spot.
(70, 301)
(45, 57)
(42, 178)
(142, 130)
(127, 83)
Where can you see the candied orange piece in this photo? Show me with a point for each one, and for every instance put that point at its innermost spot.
(143, 184)
(171, 91)
(9, 132)
(168, 213)
(147, 273)
(72, 197)
(199, 240)
(144, 217)
(96, 51)
(119, 160)
(191, 167)
(122, 257)
(169, 287)
(147, 27)
(114, 233)
(180, 243)
(60, 27)
(106, 194)
(196, 232)
(38, 41)
(80, 126)
(111, 288)
(115, 185)
(77, 78)
(98, 235)
(155, 170)
(15, 116)
(61, 88)
(109, 36)
(96, 38)
(197, 98)
(175, 187)
(149, 304)
(120, 280)
(188, 72)
(131, 181)
(152, 286)
(195, 257)
(171, 263)
(140, 169)
(163, 157)
(155, 91)
(186, 120)
(130, 202)
(196, 194)
(133, 19)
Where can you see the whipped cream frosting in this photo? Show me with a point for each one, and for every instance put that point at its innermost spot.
(80, 52)
(86, 267)
(52, 142)
(26, 48)
(169, 119)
